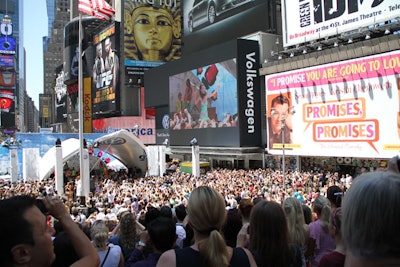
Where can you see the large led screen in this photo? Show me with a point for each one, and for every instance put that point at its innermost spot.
(231, 101)
(205, 97)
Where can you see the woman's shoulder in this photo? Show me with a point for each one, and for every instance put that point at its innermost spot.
(167, 259)
(242, 257)
(114, 246)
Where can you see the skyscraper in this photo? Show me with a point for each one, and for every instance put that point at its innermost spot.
(11, 87)
(58, 15)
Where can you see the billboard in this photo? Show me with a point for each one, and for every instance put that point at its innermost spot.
(7, 99)
(8, 45)
(105, 73)
(152, 32)
(7, 73)
(6, 62)
(218, 103)
(307, 20)
(60, 98)
(7, 79)
(87, 105)
(207, 23)
(162, 125)
(71, 49)
(143, 128)
(344, 109)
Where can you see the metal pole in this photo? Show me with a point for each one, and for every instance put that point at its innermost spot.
(83, 155)
(283, 148)
(59, 168)
(195, 160)
(161, 160)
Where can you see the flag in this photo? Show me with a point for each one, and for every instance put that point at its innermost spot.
(85, 6)
(98, 8)
(102, 9)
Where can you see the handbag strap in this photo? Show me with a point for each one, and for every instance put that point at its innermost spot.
(105, 258)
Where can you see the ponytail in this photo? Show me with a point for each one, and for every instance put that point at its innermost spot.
(213, 250)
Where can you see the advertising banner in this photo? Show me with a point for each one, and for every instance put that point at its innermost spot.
(6, 100)
(162, 125)
(87, 106)
(105, 73)
(61, 98)
(344, 109)
(8, 45)
(134, 75)
(6, 62)
(152, 32)
(144, 129)
(7, 79)
(307, 20)
(207, 23)
(249, 93)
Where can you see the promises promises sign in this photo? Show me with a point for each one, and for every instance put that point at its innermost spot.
(343, 109)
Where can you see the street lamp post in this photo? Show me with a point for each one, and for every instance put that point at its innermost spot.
(283, 126)
(283, 117)
(195, 157)
(59, 168)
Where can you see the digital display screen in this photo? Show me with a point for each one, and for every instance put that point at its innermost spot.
(205, 97)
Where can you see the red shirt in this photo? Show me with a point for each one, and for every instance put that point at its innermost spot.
(332, 259)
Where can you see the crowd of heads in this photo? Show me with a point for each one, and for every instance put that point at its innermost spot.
(265, 205)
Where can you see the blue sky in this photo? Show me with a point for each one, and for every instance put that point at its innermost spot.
(34, 28)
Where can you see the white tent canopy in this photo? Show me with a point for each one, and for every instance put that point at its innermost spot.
(122, 145)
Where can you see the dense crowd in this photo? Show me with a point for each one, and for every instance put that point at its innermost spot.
(118, 191)
(124, 218)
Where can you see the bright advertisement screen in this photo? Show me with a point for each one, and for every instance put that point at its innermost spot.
(7, 73)
(205, 97)
(6, 62)
(308, 20)
(105, 73)
(152, 32)
(345, 109)
(207, 23)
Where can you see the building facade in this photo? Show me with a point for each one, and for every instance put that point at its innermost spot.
(58, 15)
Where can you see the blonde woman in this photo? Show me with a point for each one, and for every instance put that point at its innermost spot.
(110, 255)
(125, 234)
(206, 214)
(299, 231)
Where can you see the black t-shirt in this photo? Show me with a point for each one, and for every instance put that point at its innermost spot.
(190, 257)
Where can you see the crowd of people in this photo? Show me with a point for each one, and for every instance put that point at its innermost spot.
(223, 218)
